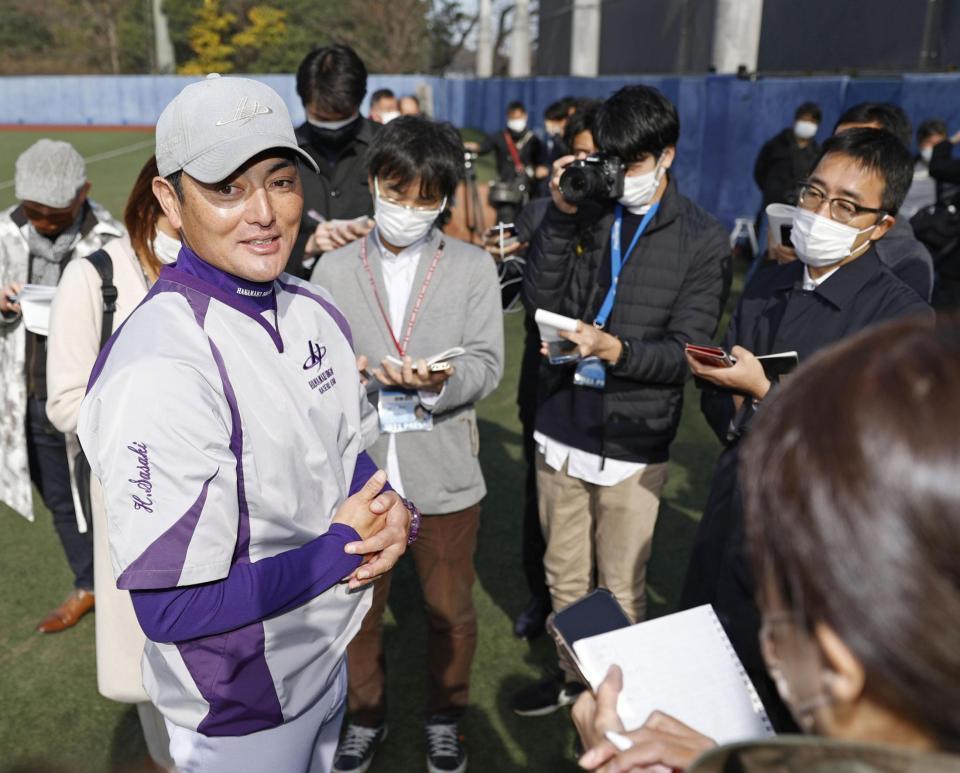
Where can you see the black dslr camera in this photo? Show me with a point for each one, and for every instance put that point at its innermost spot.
(596, 177)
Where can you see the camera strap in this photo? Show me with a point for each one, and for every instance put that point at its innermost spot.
(618, 260)
(514, 153)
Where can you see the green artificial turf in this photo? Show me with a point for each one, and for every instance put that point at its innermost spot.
(50, 709)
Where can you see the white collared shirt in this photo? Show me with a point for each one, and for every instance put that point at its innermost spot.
(399, 272)
(810, 284)
(582, 465)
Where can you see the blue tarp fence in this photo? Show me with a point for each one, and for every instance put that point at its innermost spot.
(724, 120)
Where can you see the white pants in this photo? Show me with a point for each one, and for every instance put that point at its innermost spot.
(306, 744)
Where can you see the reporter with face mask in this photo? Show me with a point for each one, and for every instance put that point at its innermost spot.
(93, 299)
(410, 292)
(836, 288)
(643, 275)
(331, 83)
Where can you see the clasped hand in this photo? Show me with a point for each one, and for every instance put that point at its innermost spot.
(383, 522)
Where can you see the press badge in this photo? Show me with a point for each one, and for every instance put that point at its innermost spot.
(400, 411)
(591, 372)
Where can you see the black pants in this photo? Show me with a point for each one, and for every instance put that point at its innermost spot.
(47, 449)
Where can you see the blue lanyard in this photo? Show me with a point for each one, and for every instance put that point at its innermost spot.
(616, 261)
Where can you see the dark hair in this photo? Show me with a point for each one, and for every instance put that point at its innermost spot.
(853, 509)
(811, 109)
(379, 94)
(931, 127)
(333, 78)
(176, 182)
(889, 116)
(635, 121)
(412, 146)
(141, 214)
(581, 121)
(878, 151)
(414, 97)
(557, 111)
(516, 105)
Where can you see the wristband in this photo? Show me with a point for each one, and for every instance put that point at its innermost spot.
(625, 350)
(414, 520)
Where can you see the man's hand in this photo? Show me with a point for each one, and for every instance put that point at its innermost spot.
(591, 342)
(336, 233)
(780, 253)
(382, 551)
(11, 290)
(364, 511)
(412, 376)
(362, 364)
(561, 203)
(745, 376)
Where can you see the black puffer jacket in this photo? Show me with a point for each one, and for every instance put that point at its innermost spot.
(672, 291)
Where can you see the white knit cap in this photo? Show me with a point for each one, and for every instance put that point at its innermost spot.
(49, 172)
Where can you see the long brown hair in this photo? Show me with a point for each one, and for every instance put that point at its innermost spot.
(851, 480)
(141, 215)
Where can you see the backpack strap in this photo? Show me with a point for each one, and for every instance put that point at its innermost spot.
(104, 265)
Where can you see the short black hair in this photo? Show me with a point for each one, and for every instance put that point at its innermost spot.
(412, 146)
(557, 111)
(581, 121)
(931, 127)
(176, 182)
(811, 109)
(878, 151)
(333, 78)
(889, 116)
(414, 97)
(379, 94)
(516, 105)
(635, 121)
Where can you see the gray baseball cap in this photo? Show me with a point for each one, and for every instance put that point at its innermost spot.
(214, 126)
(49, 172)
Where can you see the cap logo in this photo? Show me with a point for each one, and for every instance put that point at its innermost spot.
(245, 111)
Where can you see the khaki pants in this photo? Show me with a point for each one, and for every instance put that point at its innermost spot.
(443, 556)
(599, 535)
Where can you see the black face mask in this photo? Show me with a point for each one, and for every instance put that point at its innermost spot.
(335, 139)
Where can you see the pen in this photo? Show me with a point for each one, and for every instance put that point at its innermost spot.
(619, 740)
(316, 216)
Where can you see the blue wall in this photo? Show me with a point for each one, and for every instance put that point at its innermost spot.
(724, 121)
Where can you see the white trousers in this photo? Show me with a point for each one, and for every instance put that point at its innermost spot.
(306, 744)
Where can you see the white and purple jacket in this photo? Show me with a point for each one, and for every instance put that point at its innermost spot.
(225, 420)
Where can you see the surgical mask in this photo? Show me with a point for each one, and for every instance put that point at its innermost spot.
(805, 130)
(387, 117)
(926, 154)
(166, 248)
(517, 125)
(400, 225)
(821, 241)
(639, 189)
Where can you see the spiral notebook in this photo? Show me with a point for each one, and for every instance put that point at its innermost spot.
(683, 665)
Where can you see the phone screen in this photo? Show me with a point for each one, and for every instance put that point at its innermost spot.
(785, 235)
(597, 612)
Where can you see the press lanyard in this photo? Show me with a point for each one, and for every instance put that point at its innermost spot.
(616, 261)
(401, 347)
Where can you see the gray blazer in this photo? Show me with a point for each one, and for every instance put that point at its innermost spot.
(439, 469)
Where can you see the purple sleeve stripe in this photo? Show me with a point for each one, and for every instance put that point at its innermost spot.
(250, 593)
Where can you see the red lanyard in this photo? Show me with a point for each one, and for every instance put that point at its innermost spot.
(401, 348)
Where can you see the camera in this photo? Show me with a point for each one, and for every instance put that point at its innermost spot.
(596, 177)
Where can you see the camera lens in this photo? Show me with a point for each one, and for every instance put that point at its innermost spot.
(579, 182)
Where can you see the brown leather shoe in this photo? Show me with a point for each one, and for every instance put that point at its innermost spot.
(68, 613)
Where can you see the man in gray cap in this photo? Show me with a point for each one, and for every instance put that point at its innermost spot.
(54, 222)
(227, 425)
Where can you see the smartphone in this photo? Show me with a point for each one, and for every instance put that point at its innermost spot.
(785, 235)
(439, 367)
(597, 612)
(711, 356)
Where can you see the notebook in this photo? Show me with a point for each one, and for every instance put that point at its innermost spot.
(433, 359)
(35, 301)
(683, 665)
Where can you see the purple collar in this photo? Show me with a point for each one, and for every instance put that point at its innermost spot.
(259, 294)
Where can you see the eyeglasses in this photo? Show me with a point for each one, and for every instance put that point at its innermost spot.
(842, 210)
(391, 200)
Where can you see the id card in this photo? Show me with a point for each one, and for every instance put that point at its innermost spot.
(400, 411)
(591, 372)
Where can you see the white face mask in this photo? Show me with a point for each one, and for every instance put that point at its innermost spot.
(821, 241)
(166, 248)
(332, 125)
(400, 226)
(387, 117)
(926, 154)
(639, 189)
(517, 125)
(805, 130)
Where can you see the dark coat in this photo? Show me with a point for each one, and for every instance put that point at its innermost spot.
(671, 291)
(775, 315)
(340, 190)
(529, 148)
(781, 164)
